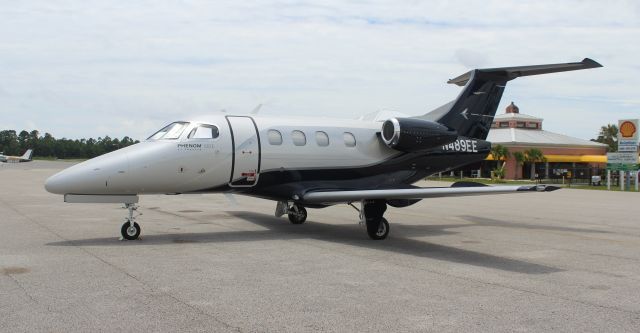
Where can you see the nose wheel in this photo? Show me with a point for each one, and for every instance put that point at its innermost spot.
(130, 230)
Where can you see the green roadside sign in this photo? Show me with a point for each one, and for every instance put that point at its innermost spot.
(622, 167)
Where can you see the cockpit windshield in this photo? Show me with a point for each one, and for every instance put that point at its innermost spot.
(170, 132)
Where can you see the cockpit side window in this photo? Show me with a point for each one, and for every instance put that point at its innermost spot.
(170, 132)
(204, 132)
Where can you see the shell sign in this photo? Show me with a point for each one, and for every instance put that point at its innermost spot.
(627, 129)
(628, 135)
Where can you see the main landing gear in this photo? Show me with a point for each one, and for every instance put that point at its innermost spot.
(371, 216)
(297, 213)
(371, 212)
(131, 229)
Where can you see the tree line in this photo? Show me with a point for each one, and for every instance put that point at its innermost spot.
(13, 143)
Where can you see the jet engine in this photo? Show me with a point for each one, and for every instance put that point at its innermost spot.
(412, 134)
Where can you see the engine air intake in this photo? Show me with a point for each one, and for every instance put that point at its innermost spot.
(411, 134)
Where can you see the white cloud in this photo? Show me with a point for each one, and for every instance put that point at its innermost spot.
(96, 68)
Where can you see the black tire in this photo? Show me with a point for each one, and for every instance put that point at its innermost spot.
(378, 231)
(127, 233)
(298, 214)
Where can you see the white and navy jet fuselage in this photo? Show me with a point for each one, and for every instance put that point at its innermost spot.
(308, 162)
(260, 156)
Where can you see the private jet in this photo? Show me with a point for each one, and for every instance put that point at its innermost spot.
(17, 159)
(302, 163)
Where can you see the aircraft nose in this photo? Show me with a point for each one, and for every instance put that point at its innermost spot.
(56, 184)
(101, 175)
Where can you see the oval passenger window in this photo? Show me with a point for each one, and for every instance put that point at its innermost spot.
(322, 139)
(275, 138)
(298, 138)
(349, 139)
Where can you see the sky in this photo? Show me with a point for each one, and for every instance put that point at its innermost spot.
(79, 69)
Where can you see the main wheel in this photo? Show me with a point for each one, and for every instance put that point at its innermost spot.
(130, 232)
(297, 214)
(378, 231)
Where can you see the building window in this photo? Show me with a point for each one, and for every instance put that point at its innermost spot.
(349, 139)
(275, 138)
(299, 139)
(322, 139)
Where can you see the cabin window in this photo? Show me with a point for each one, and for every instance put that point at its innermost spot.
(204, 132)
(504, 124)
(275, 138)
(322, 139)
(520, 124)
(532, 125)
(349, 139)
(170, 132)
(299, 139)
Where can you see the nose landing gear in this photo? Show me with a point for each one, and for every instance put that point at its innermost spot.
(131, 229)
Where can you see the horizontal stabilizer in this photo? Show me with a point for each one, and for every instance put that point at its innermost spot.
(510, 73)
(419, 193)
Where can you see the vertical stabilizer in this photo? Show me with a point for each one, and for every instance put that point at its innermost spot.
(27, 155)
(471, 114)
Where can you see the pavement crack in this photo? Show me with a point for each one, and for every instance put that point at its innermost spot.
(21, 287)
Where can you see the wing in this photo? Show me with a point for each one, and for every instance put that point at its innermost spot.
(319, 197)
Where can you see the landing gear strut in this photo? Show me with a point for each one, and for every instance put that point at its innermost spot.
(131, 229)
(371, 212)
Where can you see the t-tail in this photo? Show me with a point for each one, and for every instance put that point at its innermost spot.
(471, 114)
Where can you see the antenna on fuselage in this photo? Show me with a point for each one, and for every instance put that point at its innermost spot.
(257, 109)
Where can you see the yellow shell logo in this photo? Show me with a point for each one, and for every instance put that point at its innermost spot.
(627, 129)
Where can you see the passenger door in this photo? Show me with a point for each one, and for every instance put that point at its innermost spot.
(246, 151)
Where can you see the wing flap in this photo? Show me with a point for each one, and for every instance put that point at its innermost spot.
(418, 193)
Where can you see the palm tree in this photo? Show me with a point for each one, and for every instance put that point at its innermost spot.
(608, 135)
(520, 159)
(532, 156)
(499, 153)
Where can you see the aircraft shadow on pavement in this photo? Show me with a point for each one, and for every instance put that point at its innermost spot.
(352, 235)
(488, 222)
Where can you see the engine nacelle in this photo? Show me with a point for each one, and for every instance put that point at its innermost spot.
(411, 134)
